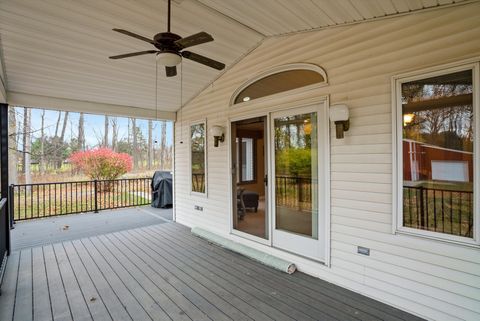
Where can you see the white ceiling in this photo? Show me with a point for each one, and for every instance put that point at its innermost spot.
(60, 48)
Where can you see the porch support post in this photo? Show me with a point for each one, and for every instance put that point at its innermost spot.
(4, 171)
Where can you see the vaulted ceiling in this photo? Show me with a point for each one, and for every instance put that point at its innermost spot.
(58, 49)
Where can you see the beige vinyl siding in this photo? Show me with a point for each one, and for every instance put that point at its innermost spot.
(433, 279)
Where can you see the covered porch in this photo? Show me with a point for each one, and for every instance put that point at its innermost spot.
(162, 272)
(368, 244)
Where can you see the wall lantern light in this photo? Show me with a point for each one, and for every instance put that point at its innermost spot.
(339, 115)
(218, 134)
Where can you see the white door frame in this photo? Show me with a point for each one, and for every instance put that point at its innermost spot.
(268, 240)
(302, 245)
(324, 129)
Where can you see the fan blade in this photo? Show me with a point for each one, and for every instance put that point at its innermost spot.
(134, 35)
(132, 54)
(194, 40)
(203, 60)
(171, 71)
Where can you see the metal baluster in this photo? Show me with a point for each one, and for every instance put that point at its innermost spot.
(460, 213)
(443, 212)
(434, 210)
(451, 212)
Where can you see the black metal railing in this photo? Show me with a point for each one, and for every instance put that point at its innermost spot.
(439, 210)
(4, 230)
(198, 182)
(50, 199)
(294, 192)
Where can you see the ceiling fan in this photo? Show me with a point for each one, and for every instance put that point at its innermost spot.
(170, 48)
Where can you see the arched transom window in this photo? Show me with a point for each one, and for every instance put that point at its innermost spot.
(280, 79)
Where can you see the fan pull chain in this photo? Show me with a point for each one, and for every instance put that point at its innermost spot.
(156, 89)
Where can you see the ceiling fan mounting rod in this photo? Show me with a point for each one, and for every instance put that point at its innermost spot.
(168, 19)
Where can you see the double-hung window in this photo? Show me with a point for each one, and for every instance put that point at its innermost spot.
(437, 120)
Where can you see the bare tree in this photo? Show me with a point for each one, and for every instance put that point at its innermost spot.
(105, 132)
(27, 144)
(64, 127)
(59, 141)
(13, 146)
(150, 144)
(41, 164)
(81, 132)
(58, 123)
(114, 122)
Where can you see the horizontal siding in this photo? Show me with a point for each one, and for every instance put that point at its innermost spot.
(433, 279)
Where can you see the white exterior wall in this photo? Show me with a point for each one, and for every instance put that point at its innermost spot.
(433, 279)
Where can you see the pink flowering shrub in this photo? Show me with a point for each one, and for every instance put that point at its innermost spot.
(102, 163)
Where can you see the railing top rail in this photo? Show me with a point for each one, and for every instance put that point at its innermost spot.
(438, 189)
(84, 181)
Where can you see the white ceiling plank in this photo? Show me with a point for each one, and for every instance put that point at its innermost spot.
(58, 48)
(401, 5)
(429, 3)
(387, 6)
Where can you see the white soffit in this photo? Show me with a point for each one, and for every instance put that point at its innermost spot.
(277, 17)
(59, 49)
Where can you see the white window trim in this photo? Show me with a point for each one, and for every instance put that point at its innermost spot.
(198, 122)
(397, 160)
(276, 70)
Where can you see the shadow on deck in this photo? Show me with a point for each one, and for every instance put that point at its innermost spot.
(162, 272)
(75, 226)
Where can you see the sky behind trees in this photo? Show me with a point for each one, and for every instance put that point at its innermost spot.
(94, 127)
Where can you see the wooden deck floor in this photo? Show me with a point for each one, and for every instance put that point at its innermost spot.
(162, 272)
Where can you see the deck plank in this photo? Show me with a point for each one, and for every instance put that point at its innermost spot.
(76, 300)
(161, 283)
(58, 297)
(224, 300)
(153, 308)
(257, 305)
(116, 309)
(95, 303)
(325, 307)
(188, 287)
(164, 296)
(297, 282)
(24, 297)
(134, 309)
(163, 272)
(42, 309)
(9, 287)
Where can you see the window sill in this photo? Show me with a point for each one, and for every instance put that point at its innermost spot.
(436, 236)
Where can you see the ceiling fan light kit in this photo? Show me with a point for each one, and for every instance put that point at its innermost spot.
(168, 59)
(169, 48)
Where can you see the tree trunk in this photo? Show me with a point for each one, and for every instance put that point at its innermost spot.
(150, 144)
(13, 146)
(57, 126)
(27, 144)
(64, 127)
(105, 133)
(41, 164)
(114, 133)
(81, 132)
(59, 143)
